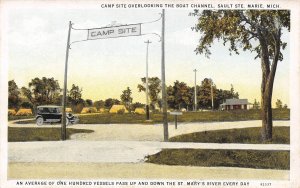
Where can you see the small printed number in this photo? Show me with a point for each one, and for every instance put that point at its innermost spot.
(265, 184)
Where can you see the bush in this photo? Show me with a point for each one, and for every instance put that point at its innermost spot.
(26, 105)
(121, 111)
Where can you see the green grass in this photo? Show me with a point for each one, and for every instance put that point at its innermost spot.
(226, 158)
(205, 116)
(281, 135)
(23, 134)
(11, 118)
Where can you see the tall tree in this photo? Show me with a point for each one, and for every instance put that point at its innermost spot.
(75, 94)
(74, 99)
(154, 89)
(179, 95)
(13, 94)
(108, 103)
(99, 104)
(126, 97)
(42, 91)
(258, 31)
(89, 102)
(204, 100)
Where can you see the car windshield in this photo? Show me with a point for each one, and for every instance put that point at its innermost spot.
(49, 110)
(55, 110)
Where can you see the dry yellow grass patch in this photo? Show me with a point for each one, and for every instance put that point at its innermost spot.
(115, 108)
(139, 111)
(24, 112)
(11, 112)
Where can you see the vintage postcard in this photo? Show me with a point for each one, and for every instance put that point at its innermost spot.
(150, 93)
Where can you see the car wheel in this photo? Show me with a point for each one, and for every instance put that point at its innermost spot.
(39, 121)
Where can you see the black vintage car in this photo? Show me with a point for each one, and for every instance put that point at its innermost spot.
(53, 114)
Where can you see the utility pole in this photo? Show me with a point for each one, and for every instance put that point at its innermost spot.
(195, 106)
(212, 94)
(147, 86)
(163, 84)
(64, 99)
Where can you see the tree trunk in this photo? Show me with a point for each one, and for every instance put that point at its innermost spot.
(266, 113)
(268, 75)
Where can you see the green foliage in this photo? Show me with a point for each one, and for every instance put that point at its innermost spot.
(126, 98)
(121, 111)
(245, 136)
(229, 158)
(74, 96)
(137, 105)
(99, 104)
(108, 103)
(13, 95)
(89, 102)
(24, 134)
(154, 85)
(239, 27)
(26, 104)
(42, 91)
(257, 31)
(180, 95)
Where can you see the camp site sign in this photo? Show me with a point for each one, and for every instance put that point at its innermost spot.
(114, 32)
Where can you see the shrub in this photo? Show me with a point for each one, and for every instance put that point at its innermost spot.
(121, 111)
(26, 105)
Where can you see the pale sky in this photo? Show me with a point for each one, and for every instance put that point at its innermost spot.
(37, 40)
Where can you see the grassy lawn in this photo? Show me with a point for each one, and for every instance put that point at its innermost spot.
(204, 116)
(23, 134)
(281, 135)
(227, 158)
(11, 118)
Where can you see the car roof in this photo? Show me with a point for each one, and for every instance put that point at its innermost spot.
(49, 106)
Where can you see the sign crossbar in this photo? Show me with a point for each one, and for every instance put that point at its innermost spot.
(116, 32)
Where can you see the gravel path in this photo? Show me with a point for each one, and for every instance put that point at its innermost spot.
(110, 151)
(119, 150)
(140, 132)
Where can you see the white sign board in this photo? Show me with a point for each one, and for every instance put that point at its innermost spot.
(176, 113)
(114, 32)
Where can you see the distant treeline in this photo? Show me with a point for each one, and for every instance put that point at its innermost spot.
(46, 91)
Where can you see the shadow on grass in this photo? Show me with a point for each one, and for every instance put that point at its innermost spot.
(226, 158)
(24, 134)
(281, 135)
